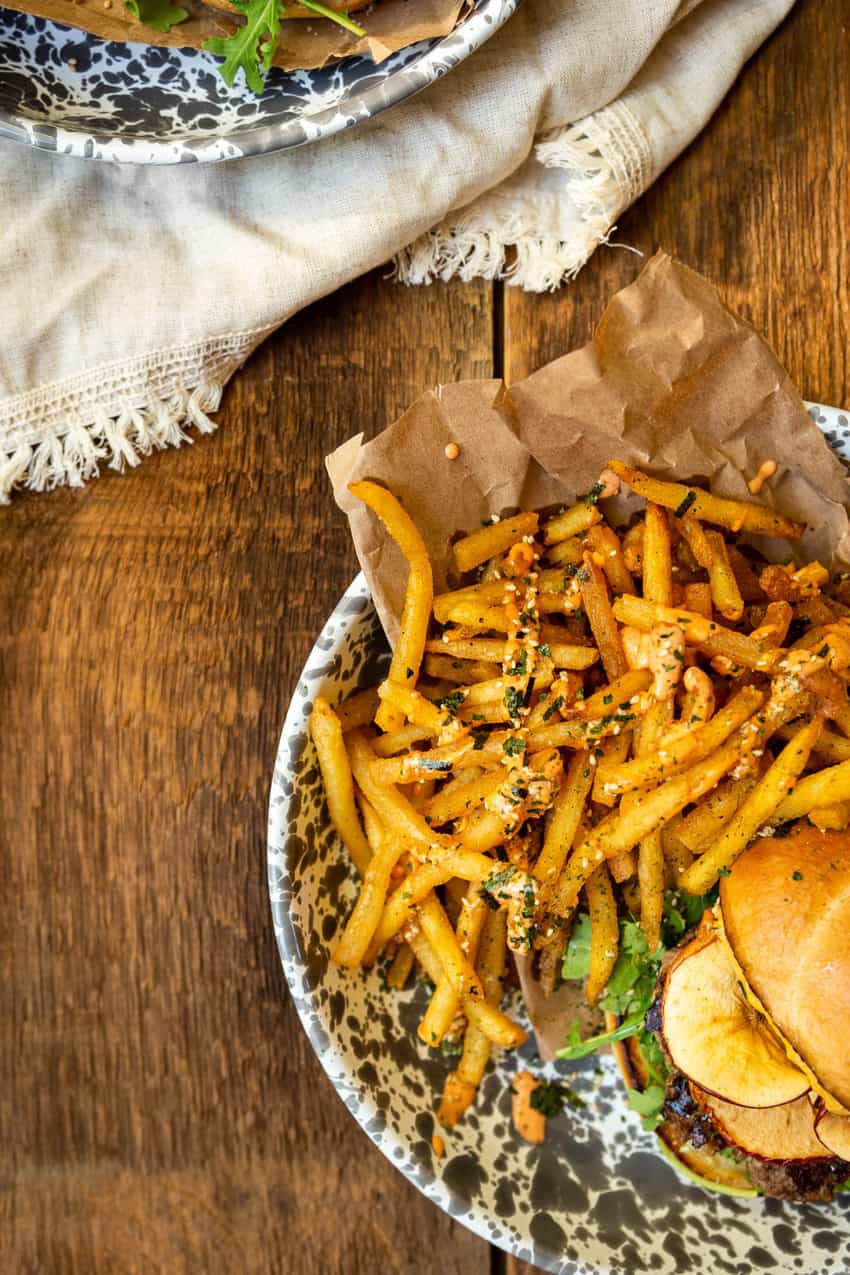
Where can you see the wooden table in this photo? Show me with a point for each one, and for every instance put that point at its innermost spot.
(161, 1110)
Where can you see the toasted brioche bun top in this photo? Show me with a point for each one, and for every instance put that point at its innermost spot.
(786, 914)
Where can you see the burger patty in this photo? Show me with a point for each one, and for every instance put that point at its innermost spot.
(800, 1180)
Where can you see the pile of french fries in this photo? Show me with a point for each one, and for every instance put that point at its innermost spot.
(591, 717)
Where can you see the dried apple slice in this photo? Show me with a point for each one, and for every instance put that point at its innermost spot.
(715, 1037)
(834, 1132)
(785, 1132)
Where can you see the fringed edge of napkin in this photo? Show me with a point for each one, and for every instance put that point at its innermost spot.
(607, 164)
(61, 434)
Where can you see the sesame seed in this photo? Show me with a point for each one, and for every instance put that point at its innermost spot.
(452, 451)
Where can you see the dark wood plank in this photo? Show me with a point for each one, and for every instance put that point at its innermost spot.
(758, 204)
(161, 1109)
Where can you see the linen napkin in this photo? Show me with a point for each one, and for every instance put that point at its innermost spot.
(133, 294)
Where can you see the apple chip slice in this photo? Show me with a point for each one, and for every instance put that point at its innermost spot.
(834, 1133)
(785, 1132)
(716, 1038)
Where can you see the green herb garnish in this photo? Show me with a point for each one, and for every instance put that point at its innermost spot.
(162, 15)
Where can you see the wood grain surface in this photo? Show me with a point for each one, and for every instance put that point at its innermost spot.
(161, 1110)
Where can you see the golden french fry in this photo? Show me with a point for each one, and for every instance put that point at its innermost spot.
(367, 911)
(326, 732)
(600, 617)
(773, 629)
(748, 581)
(707, 820)
(415, 707)
(461, 796)
(682, 751)
(445, 1001)
(400, 741)
(693, 533)
(633, 540)
(724, 587)
(823, 788)
(566, 553)
(399, 906)
(563, 654)
(394, 809)
(657, 562)
(490, 1020)
(697, 598)
(737, 515)
(650, 870)
(566, 817)
(762, 802)
(571, 522)
(402, 964)
(604, 932)
(698, 701)
(604, 542)
(713, 638)
(559, 699)
(831, 818)
(358, 709)
(623, 866)
(615, 750)
(619, 833)
(425, 955)
(495, 538)
(413, 630)
(461, 672)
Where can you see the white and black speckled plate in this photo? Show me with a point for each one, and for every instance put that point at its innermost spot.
(597, 1198)
(144, 105)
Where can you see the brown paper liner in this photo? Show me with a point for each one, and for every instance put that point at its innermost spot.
(672, 381)
(305, 43)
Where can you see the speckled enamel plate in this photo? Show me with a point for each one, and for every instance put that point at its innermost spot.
(66, 91)
(597, 1198)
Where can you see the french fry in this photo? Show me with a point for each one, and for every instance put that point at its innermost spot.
(364, 919)
(697, 598)
(462, 672)
(762, 802)
(566, 553)
(623, 866)
(650, 871)
(394, 809)
(604, 932)
(413, 629)
(831, 818)
(492, 964)
(425, 955)
(657, 562)
(445, 1002)
(571, 522)
(773, 629)
(633, 541)
(748, 581)
(495, 538)
(415, 707)
(698, 702)
(706, 821)
(490, 1020)
(724, 587)
(400, 905)
(682, 751)
(559, 699)
(402, 964)
(823, 788)
(400, 741)
(563, 654)
(358, 709)
(737, 515)
(713, 638)
(693, 533)
(326, 732)
(619, 833)
(604, 542)
(600, 617)
(461, 796)
(566, 817)
(615, 750)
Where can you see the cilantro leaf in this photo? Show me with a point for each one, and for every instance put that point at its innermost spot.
(162, 15)
(648, 1103)
(577, 1048)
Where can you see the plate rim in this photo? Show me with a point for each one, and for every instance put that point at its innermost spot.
(333, 633)
(483, 21)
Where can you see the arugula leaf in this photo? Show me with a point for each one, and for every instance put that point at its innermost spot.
(648, 1103)
(162, 15)
(577, 955)
(842, 1186)
(252, 47)
(577, 1048)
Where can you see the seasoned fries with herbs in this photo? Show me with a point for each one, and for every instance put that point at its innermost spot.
(575, 740)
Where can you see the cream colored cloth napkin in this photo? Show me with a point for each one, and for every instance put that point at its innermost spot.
(131, 295)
